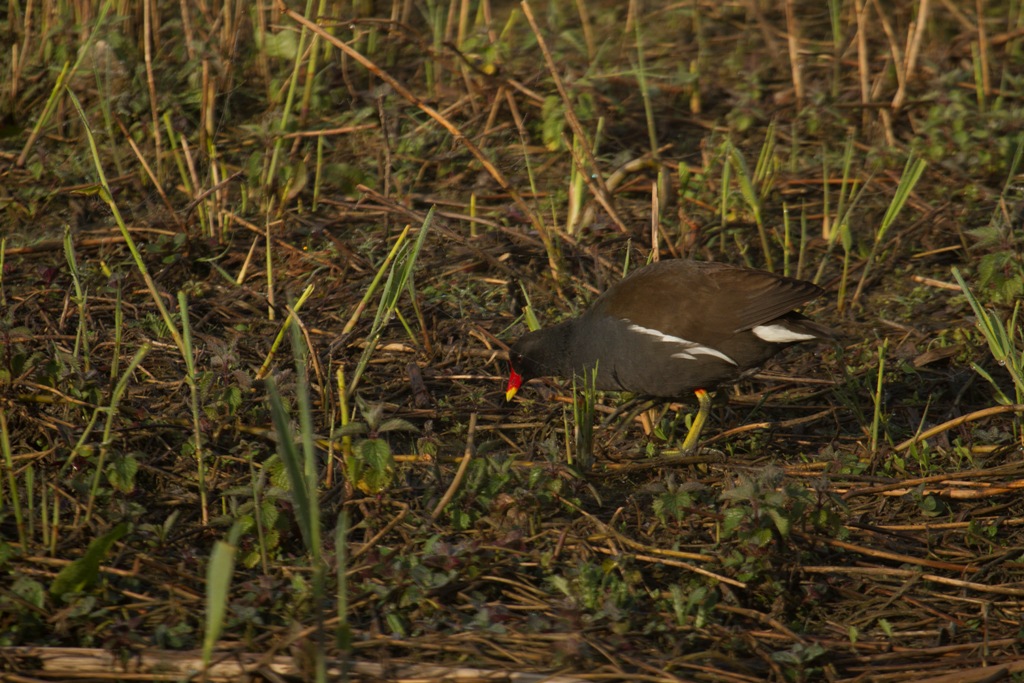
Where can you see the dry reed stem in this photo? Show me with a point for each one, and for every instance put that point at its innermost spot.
(957, 421)
(591, 171)
(795, 61)
(863, 58)
(916, 34)
(231, 665)
(460, 473)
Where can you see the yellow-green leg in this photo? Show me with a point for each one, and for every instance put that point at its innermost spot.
(704, 402)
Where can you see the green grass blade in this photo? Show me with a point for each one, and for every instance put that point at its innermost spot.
(218, 587)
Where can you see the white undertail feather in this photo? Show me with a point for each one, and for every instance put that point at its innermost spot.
(780, 334)
(689, 350)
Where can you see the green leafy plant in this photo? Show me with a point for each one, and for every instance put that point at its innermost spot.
(693, 607)
(297, 452)
(605, 591)
(400, 266)
(762, 511)
(796, 661)
(1001, 267)
(912, 172)
(371, 465)
(759, 510)
(1004, 341)
(583, 413)
(84, 572)
(677, 503)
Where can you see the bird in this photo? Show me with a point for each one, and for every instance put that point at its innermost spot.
(673, 327)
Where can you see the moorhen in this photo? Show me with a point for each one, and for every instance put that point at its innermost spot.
(673, 327)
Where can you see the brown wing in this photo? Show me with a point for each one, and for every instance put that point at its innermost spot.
(703, 301)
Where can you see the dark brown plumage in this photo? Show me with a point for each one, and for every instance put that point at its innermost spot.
(673, 327)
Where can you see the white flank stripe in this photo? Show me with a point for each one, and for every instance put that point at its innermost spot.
(779, 334)
(690, 350)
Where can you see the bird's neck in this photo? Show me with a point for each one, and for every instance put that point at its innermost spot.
(556, 349)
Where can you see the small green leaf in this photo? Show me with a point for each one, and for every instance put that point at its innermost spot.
(553, 123)
(83, 572)
(351, 429)
(29, 590)
(121, 473)
(376, 465)
(284, 44)
(782, 523)
(732, 519)
(561, 584)
(397, 424)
